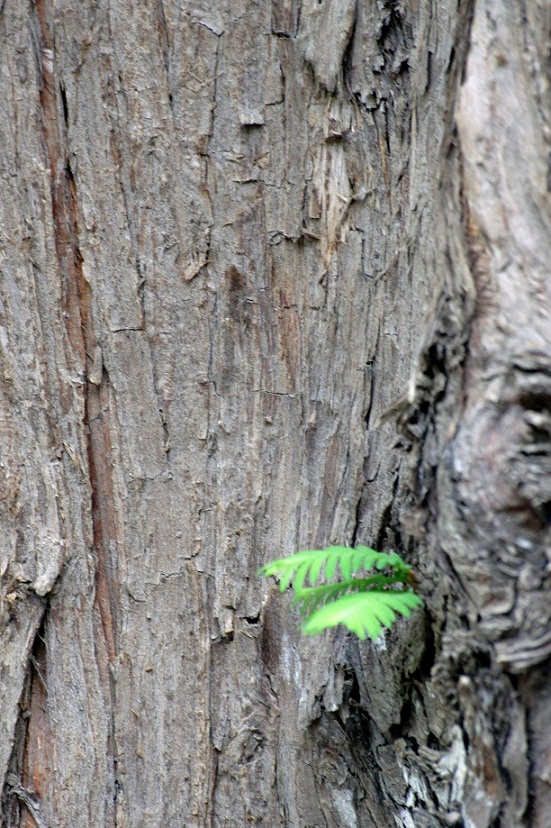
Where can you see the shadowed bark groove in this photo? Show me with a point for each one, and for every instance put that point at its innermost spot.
(232, 235)
(483, 469)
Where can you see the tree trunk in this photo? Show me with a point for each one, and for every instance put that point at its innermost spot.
(274, 275)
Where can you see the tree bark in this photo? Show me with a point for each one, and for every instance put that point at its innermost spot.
(274, 275)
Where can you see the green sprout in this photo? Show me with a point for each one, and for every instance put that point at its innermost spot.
(363, 604)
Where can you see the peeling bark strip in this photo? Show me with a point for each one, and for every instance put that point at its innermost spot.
(231, 235)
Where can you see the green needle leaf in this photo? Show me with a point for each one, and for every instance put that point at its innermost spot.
(363, 604)
(363, 614)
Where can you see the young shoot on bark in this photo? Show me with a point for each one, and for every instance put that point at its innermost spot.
(363, 604)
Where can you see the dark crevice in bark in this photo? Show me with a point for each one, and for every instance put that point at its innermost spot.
(31, 759)
(347, 61)
(63, 97)
(394, 39)
(357, 522)
(384, 522)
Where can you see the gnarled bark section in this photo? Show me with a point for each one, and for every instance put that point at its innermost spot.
(488, 440)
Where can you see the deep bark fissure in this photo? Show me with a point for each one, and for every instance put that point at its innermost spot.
(21, 788)
(77, 312)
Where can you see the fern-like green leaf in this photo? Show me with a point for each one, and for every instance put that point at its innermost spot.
(364, 613)
(363, 604)
(310, 564)
(310, 598)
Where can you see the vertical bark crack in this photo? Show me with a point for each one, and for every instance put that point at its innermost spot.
(77, 311)
(27, 767)
(76, 308)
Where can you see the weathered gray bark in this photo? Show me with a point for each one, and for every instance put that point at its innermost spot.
(232, 235)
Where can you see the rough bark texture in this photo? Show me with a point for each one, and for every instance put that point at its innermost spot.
(232, 234)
